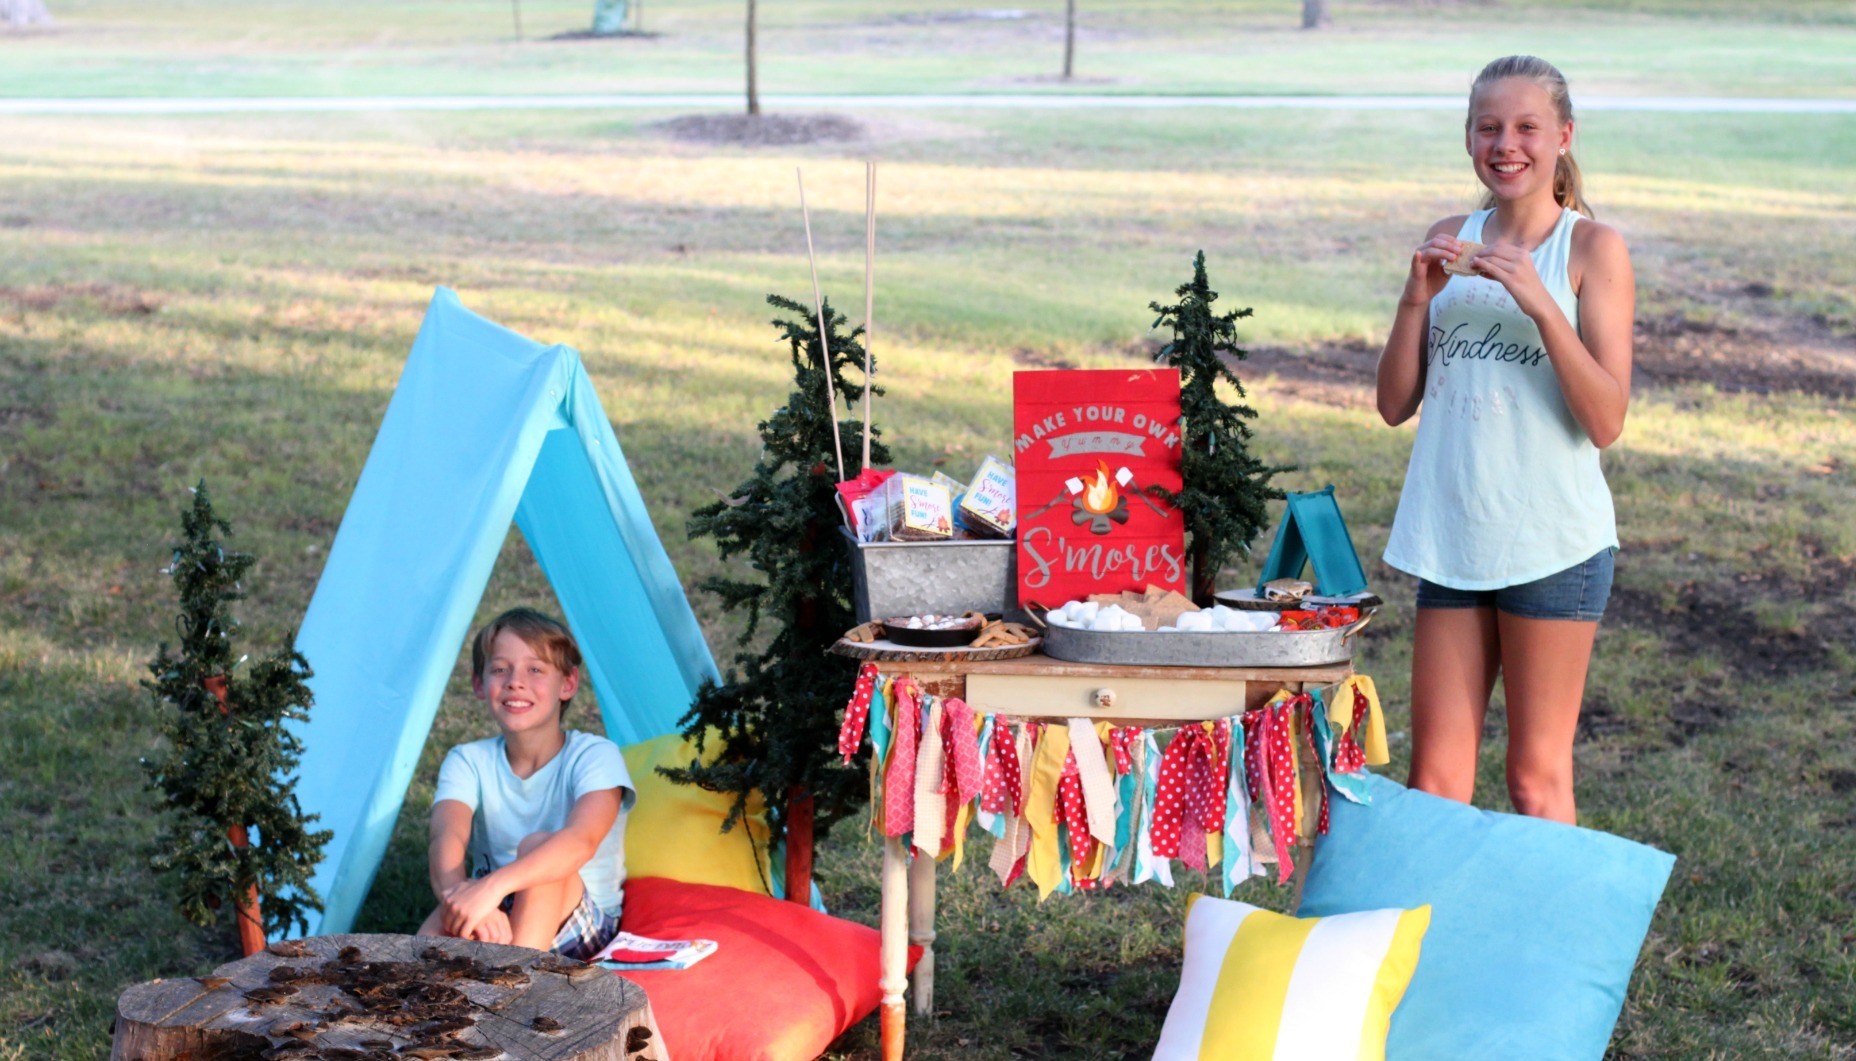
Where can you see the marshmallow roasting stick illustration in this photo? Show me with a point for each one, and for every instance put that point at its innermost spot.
(1122, 477)
(1076, 487)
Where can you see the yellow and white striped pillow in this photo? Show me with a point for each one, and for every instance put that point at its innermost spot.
(1259, 985)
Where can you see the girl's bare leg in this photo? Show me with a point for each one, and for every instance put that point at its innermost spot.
(1544, 662)
(1454, 660)
(434, 924)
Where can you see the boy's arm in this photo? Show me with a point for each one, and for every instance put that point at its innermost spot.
(561, 854)
(447, 850)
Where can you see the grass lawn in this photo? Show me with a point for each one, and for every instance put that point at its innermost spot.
(350, 47)
(232, 298)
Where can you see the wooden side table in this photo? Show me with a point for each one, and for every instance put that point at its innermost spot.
(1037, 688)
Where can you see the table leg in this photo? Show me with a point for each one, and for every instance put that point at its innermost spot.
(921, 931)
(894, 962)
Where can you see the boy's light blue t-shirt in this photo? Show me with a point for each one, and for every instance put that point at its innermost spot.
(505, 808)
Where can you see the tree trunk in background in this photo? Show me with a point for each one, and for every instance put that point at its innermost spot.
(515, 8)
(1069, 39)
(1314, 14)
(24, 12)
(609, 16)
(753, 76)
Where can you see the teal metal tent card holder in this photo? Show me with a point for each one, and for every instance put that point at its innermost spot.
(1313, 531)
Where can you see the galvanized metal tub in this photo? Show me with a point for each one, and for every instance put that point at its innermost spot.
(1291, 648)
(920, 578)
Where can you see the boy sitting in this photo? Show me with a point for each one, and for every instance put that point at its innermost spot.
(528, 827)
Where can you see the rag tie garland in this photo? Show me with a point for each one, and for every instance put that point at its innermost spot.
(1066, 803)
(1190, 797)
(899, 775)
(857, 712)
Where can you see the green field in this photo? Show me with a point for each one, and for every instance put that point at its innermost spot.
(231, 298)
(344, 47)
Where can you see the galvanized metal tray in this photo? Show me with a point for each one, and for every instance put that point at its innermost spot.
(1289, 648)
(941, 578)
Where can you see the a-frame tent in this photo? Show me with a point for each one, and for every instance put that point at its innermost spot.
(484, 427)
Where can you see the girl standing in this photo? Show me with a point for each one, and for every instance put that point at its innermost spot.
(1523, 371)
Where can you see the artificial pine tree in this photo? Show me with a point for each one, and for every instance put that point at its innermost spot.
(1225, 490)
(777, 710)
(234, 831)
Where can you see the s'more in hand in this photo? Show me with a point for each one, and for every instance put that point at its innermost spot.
(1459, 265)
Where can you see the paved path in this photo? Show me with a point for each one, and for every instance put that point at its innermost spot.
(1022, 101)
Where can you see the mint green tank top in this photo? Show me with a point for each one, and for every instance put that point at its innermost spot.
(1504, 486)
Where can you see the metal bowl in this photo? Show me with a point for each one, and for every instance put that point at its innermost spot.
(1287, 648)
(949, 637)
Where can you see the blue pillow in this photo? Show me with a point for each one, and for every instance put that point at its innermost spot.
(1535, 925)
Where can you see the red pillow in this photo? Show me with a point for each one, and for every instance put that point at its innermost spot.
(784, 982)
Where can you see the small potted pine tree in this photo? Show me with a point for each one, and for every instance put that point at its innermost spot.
(1225, 489)
(777, 709)
(234, 834)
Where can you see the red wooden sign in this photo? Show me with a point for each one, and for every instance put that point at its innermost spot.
(1087, 444)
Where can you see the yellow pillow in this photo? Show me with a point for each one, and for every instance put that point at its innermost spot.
(1259, 985)
(674, 830)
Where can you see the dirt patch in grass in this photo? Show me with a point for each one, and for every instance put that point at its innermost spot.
(1599, 719)
(1341, 375)
(1030, 358)
(763, 130)
(620, 35)
(1801, 356)
(114, 300)
(1715, 616)
(1054, 79)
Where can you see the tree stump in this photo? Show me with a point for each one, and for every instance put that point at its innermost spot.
(389, 998)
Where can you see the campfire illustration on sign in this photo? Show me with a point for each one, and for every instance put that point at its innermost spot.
(1098, 502)
(1101, 501)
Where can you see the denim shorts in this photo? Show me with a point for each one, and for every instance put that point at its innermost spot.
(1577, 593)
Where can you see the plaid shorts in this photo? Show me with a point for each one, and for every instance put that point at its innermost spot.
(586, 931)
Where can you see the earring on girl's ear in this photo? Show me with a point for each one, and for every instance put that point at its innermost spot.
(1562, 150)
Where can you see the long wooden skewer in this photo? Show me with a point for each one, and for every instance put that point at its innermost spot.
(869, 294)
(824, 344)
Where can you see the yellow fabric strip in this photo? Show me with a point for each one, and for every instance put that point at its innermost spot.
(1395, 975)
(1377, 754)
(962, 818)
(1045, 864)
(1252, 984)
(1303, 826)
(1339, 701)
(1091, 868)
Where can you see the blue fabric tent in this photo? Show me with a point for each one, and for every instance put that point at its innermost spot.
(485, 426)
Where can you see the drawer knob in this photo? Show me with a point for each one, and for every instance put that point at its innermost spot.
(1105, 698)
